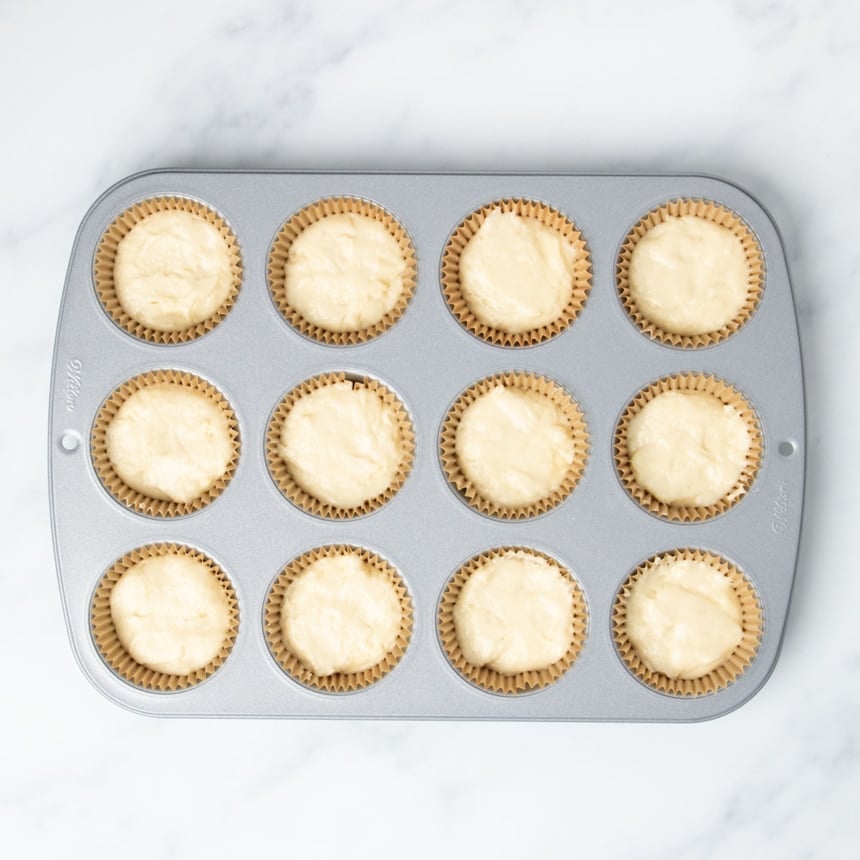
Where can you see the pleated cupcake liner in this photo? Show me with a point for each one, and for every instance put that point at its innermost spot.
(107, 640)
(752, 623)
(489, 679)
(726, 394)
(549, 217)
(131, 498)
(717, 214)
(294, 492)
(105, 259)
(337, 682)
(280, 251)
(522, 381)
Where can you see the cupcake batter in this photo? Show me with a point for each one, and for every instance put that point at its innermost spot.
(515, 446)
(688, 448)
(515, 614)
(340, 615)
(342, 444)
(516, 274)
(683, 618)
(344, 272)
(689, 275)
(169, 442)
(172, 270)
(170, 613)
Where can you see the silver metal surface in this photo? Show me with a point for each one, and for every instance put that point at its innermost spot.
(254, 357)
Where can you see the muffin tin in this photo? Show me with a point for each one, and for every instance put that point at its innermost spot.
(254, 357)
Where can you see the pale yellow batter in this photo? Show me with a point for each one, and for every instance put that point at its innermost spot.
(169, 442)
(515, 446)
(684, 618)
(170, 613)
(516, 274)
(515, 614)
(689, 275)
(688, 448)
(340, 615)
(344, 272)
(172, 270)
(342, 445)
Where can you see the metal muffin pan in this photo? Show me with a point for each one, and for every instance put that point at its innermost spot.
(426, 531)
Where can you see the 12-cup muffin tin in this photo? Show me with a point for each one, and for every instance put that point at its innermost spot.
(253, 356)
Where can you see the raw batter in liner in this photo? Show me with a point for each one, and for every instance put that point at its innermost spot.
(516, 274)
(344, 272)
(172, 270)
(688, 447)
(689, 275)
(515, 446)
(515, 614)
(340, 615)
(342, 444)
(169, 442)
(170, 613)
(684, 618)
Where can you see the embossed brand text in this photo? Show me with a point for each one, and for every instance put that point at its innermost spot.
(73, 383)
(779, 519)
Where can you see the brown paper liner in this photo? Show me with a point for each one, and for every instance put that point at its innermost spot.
(728, 395)
(711, 212)
(301, 220)
(131, 498)
(339, 682)
(489, 679)
(470, 225)
(105, 258)
(752, 622)
(525, 382)
(112, 650)
(298, 495)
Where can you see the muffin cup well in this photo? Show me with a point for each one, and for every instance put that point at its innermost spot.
(726, 394)
(524, 382)
(280, 472)
(489, 679)
(112, 650)
(131, 498)
(710, 212)
(105, 258)
(301, 220)
(450, 273)
(338, 682)
(752, 623)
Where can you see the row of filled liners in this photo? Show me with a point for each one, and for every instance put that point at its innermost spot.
(339, 618)
(514, 272)
(513, 446)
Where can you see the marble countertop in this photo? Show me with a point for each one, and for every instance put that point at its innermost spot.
(759, 92)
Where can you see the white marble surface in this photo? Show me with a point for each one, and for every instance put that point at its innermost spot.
(761, 92)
